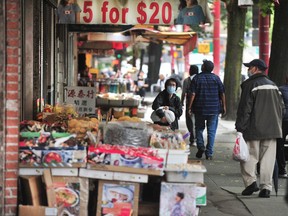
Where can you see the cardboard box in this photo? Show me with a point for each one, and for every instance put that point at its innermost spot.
(124, 156)
(32, 190)
(37, 211)
(173, 156)
(79, 188)
(117, 198)
(179, 198)
(199, 192)
(52, 157)
(185, 173)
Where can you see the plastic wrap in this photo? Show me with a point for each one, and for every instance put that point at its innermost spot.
(167, 140)
(126, 133)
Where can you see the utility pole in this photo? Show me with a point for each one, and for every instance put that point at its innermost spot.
(264, 44)
(216, 37)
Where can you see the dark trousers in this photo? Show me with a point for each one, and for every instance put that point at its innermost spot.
(190, 125)
(280, 156)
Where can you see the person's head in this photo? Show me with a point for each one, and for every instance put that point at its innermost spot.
(191, 2)
(193, 70)
(64, 2)
(171, 85)
(207, 66)
(255, 66)
(161, 76)
(141, 74)
(179, 196)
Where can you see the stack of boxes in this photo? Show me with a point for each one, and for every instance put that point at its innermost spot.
(184, 189)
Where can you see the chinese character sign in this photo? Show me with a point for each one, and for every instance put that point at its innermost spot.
(83, 99)
(126, 12)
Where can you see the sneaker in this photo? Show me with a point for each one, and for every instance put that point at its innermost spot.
(199, 153)
(250, 189)
(264, 193)
(209, 157)
(283, 175)
(193, 144)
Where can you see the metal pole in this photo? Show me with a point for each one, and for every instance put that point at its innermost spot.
(264, 44)
(216, 37)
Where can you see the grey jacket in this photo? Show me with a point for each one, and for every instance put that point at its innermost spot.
(259, 114)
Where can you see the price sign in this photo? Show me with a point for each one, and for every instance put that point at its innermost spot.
(128, 12)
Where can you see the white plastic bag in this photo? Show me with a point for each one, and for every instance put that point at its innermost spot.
(170, 116)
(240, 150)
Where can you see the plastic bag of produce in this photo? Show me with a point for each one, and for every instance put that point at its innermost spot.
(126, 133)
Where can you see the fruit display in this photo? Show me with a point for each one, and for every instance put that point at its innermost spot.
(81, 126)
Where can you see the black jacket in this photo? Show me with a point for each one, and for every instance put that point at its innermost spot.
(174, 104)
(259, 114)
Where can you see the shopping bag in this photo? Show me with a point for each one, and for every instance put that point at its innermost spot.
(168, 114)
(240, 150)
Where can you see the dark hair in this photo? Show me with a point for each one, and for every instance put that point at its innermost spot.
(193, 70)
(64, 2)
(180, 195)
(183, 4)
(170, 80)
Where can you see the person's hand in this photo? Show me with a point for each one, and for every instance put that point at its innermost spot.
(166, 108)
(163, 120)
(190, 112)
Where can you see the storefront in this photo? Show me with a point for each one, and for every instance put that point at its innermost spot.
(39, 58)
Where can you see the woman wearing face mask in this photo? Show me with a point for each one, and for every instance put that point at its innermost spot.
(168, 100)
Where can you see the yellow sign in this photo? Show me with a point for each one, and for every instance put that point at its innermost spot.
(203, 48)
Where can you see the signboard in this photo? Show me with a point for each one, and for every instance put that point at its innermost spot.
(124, 12)
(245, 2)
(83, 98)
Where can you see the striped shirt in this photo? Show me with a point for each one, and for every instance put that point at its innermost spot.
(207, 88)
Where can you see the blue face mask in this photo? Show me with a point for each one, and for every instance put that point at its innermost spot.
(171, 89)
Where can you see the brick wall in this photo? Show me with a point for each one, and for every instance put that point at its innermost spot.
(12, 111)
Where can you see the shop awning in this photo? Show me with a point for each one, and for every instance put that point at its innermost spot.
(151, 35)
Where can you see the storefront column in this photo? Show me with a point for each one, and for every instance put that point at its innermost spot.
(11, 103)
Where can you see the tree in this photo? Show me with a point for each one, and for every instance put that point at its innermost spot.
(233, 60)
(278, 65)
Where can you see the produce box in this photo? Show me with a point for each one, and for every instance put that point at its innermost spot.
(131, 102)
(117, 156)
(69, 193)
(174, 156)
(117, 198)
(185, 173)
(177, 199)
(52, 157)
(25, 210)
(194, 195)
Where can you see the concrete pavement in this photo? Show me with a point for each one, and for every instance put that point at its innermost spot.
(224, 181)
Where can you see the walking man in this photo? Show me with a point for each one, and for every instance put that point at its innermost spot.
(259, 118)
(207, 101)
(186, 93)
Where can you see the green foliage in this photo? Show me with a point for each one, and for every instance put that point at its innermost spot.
(266, 6)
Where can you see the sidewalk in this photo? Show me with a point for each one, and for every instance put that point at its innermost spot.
(224, 181)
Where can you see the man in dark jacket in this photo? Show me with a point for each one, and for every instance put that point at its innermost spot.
(190, 119)
(259, 118)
